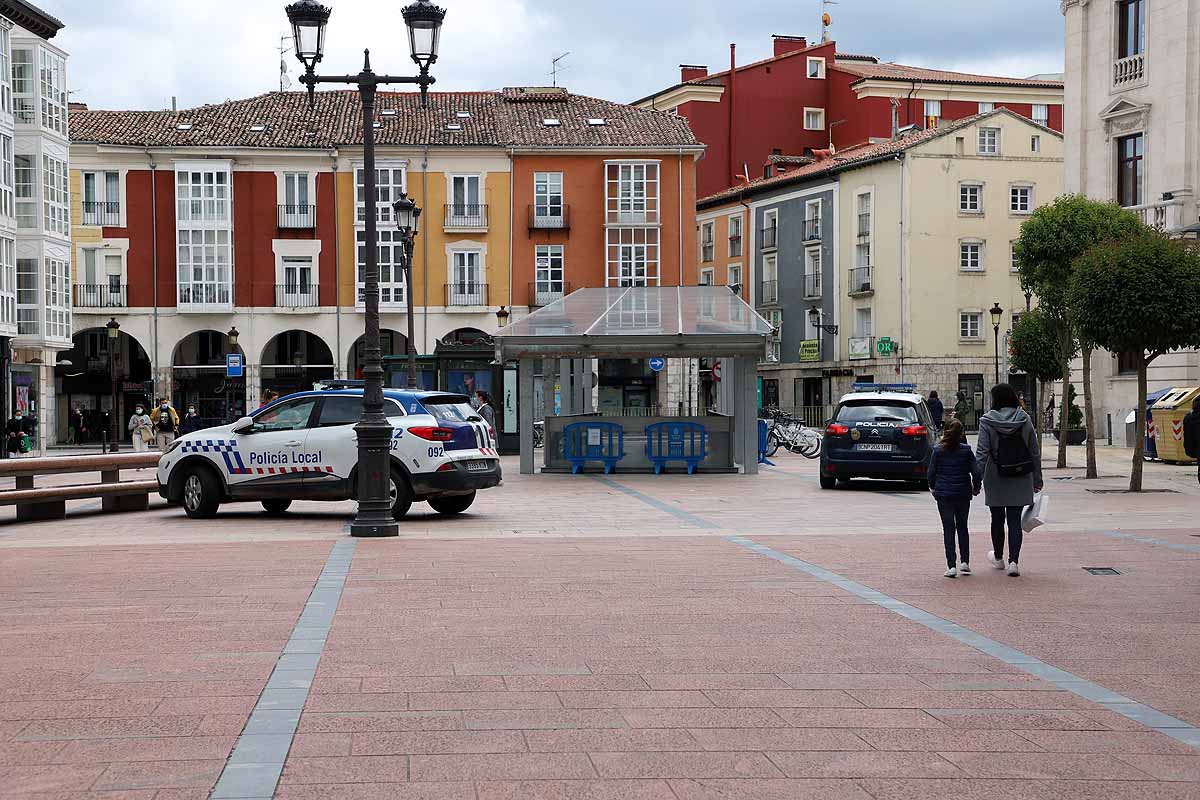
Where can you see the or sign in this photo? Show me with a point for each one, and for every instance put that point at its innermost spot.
(234, 367)
(810, 350)
(885, 346)
(658, 364)
(860, 348)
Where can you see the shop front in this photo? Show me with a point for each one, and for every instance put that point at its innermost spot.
(198, 378)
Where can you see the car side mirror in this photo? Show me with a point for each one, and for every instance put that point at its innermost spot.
(243, 425)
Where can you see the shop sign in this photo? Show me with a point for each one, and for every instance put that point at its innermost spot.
(810, 350)
(860, 348)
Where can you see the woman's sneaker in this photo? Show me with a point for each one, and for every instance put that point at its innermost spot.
(1013, 570)
(995, 562)
(964, 568)
(951, 573)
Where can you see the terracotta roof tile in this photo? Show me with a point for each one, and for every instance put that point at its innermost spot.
(902, 72)
(512, 118)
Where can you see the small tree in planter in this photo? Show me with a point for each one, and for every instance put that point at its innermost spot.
(1035, 351)
(1140, 295)
(1076, 432)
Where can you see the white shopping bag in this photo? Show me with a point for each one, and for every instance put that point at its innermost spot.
(1036, 515)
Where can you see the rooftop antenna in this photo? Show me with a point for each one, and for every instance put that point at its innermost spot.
(285, 82)
(555, 68)
(826, 19)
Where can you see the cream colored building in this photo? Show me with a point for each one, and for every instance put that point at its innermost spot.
(1133, 136)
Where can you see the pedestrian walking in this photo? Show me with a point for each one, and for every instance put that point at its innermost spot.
(484, 408)
(1012, 472)
(1050, 413)
(166, 424)
(962, 409)
(936, 410)
(141, 429)
(190, 422)
(954, 478)
(1191, 433)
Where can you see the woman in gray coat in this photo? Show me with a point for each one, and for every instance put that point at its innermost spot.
(1007, 495)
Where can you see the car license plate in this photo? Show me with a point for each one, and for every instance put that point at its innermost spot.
(875, 448)
(478, 466)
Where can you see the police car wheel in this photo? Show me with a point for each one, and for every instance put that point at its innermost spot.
(828, 483)
(201, 494)
(274, 507)
(449, 506)
(401, 496)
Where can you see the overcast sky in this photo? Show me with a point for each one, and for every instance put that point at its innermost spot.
(140, 53)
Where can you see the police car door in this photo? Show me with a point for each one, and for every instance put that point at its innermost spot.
(331, 449)
(272, 450)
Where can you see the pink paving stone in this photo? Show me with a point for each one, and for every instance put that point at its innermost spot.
(401, 742)
(535, 719)
(71, 709)
(308, 745)
(352, 722)
(449, 701)
(846, 682)
(948, 740)
(684, 765)
(50, 778)
(574, 790)
(1046, 765)
(1167, 767)
(874, 698)
(195, 748)
(638, 699)
(161, 774)
(348, 769)
(514, 766)
(329, 685)
(1123, 790)
(575, 683)
(593, 741)
(1017, 719)
(376, 791)
(768, 789)
(480, 683)
(334, 703)
(781, 698)
(764, 739)
(983, 683)
(716, 681)
(1118, 742)
(963, 789)
(221, 724)
(863, 765)
(856, 718)
(703, 718)
(182, 706)
(1051, 700)
(18, 753)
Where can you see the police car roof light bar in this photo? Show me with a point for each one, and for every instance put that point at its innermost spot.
(899, 388)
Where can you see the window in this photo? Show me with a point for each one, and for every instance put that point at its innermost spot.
(1035, 144)
(775, 317)
(734, 275)
(549, 260)
(735, 237)
(770, 231)
(970, 256)
(814, 119)
(1020, 199)
(296, 190)
(5, 71)
(293, 415)
(389, 185)
(203, 262)
(54, 92)
(969, 324)
(862, 255)
(770, 277)
(632, 193)
(707, 247)
(28, 307)
(816, 68)
(202, 195)
(1130, 170)
(8, 282)
(970, 198)
(100, 282)
(102, 198)
(864, 214)
(1041, 113)
(1014, 265)
(467, 287)
(1131, 28)
(989, 141)
(391, 274)
(57, 293)
(204, 234)
(7, 209)
(812, 272)
(56, 196)
(987, 108)
(24, 101)
(933, 113)
(299, 290)
(1127, 362)
(632, 257)
(812, 220)
(863, 323)
(466, 206)
(706, 276)
(548, 199)
(25, 175)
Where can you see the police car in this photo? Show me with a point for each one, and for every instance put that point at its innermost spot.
(305, 446)
(878, 431)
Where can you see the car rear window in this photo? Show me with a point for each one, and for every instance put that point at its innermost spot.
(450, 408)
(877, 411)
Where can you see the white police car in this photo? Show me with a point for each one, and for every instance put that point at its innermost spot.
(304, 446)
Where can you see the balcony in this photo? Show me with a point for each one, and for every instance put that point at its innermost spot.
(770, 293)
(463, 294)
(99, 295)
(812, 286)
(550, 218)
(1165, 215)
(298, 217)
(864, 224)
(103, 214)
(735, 246)
(466, 217)
(203, 298)
(812, 229)
(860, 282)
(708, 251)
(770, 237)
(297, 296)
(543, 293)
(1129, 71)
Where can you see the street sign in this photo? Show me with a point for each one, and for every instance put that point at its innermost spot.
(234, 368)
(885, 346)
(658, 364)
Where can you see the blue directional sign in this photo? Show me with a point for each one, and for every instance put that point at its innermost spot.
(658, 364)
(234, 366)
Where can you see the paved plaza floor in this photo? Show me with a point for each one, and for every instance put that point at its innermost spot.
(608, 638)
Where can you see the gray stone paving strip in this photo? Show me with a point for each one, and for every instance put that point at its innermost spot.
(678, 513)
(1183, 548)
(1150, 717)
(256, 763)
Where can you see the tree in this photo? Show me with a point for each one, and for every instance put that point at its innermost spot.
(1035, 351)
(1051, 241)
(1140, 295)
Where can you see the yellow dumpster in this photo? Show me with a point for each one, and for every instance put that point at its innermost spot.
(1169, 412)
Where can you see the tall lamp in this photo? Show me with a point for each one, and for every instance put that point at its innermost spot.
(997, 315)
(114, 337)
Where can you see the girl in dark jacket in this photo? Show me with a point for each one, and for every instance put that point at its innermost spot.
(954, 478)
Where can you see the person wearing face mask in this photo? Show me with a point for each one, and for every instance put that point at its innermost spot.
(190, 422)
(166, 423)
(15, 431)
(141, 429)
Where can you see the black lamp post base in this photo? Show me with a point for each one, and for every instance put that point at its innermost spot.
(373, 530)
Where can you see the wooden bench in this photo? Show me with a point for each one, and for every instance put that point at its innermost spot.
(50, 502)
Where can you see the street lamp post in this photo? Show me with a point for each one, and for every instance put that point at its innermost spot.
(816, 320)
(997, 314)
(424, 21)
(408, 220)
(114, 338)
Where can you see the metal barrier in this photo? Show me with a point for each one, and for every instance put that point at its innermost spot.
(676, 441)
(593, 441)
(51, 502)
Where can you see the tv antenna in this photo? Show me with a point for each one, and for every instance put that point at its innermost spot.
(556, 67)
(826, 19)
(285, 82)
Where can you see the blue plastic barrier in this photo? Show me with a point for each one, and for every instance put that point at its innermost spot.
(764, 434)
(593, 441)
(676, 441)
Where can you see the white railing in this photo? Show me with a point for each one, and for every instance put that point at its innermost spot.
(1165, 215)
(1129, 70)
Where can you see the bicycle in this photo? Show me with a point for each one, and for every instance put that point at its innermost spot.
(788, 432)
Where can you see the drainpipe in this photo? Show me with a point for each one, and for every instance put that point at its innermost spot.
(732, 78)
(154, 365)
(337, 268)
(679, 203)
(903, 265)
(512, 219)
(748, 268)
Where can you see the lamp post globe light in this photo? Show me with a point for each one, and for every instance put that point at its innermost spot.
(997, 314)
(308, 19)
(114, 337)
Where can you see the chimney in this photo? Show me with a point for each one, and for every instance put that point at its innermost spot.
(788, 44)
(690, 72)
(76, 106)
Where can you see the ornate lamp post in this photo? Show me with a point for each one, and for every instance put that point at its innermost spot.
(114, 338)
(424, 20)
(408, 220)
(997, 314)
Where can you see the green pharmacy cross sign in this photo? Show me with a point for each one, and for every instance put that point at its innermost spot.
(885, 346)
